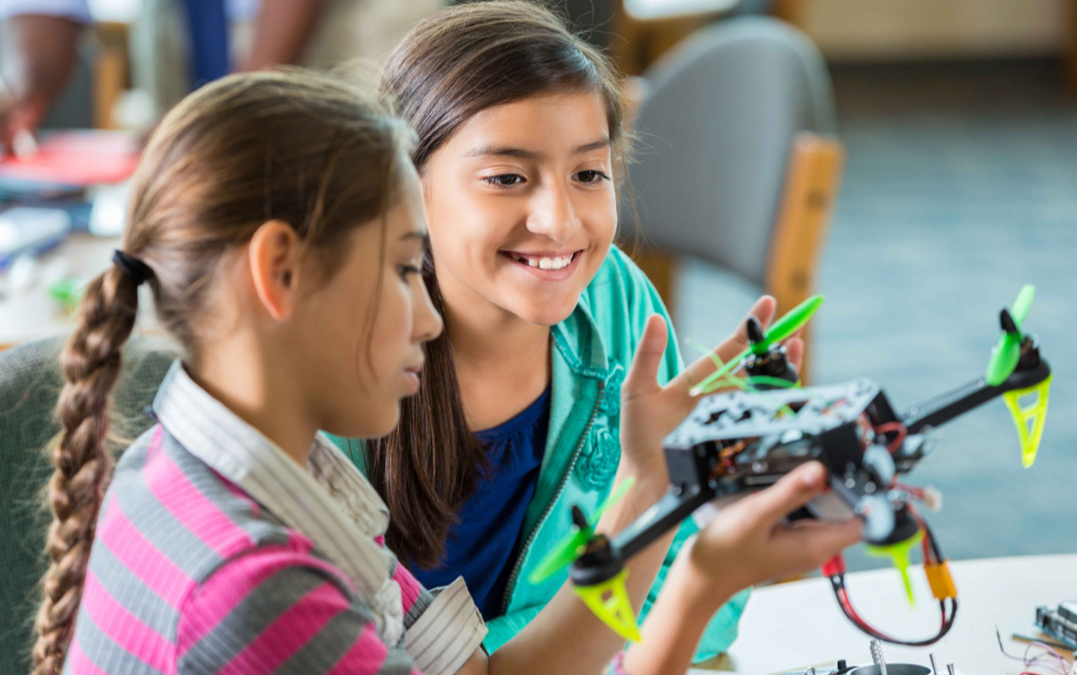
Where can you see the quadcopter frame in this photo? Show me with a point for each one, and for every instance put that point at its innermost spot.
(737, 443)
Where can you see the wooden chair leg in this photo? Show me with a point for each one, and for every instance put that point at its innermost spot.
(661, 268)
(789, 10)
(109, 72)
(812, 178)
(1071, 49)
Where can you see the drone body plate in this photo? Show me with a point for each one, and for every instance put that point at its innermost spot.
(739, 415)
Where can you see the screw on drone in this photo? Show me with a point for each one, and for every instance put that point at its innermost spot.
(877, 656)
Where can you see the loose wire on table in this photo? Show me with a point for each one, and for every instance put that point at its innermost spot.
(1050, 654)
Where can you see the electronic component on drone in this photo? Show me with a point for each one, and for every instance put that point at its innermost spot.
(738, 442)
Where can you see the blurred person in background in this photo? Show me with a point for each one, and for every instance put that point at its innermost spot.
(178, 45)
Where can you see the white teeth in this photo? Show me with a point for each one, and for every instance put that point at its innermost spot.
(546, 263)
(555, 263)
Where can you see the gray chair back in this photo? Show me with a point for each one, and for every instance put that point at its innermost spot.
(714, 135)
(30, 383)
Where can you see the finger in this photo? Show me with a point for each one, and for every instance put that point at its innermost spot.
(815, 545)
(806, 524)
(794, 351)
(643, 375)
(762, 310)
(790, 493)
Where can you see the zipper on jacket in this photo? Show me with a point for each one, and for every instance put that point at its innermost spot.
(511, 585)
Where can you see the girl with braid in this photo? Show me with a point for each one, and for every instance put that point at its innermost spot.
(277, 220)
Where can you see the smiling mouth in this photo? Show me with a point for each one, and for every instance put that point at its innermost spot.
(543, 262)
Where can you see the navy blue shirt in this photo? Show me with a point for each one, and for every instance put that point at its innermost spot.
(482, 546)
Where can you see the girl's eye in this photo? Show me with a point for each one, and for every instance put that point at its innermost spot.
(591, 176)
(504, 180)
(405, 270)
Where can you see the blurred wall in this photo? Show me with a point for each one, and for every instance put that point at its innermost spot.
(892, 29)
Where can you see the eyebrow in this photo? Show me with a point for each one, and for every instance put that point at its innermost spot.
(604, 142)
(414, 234)
(508, 151)
(504, 151)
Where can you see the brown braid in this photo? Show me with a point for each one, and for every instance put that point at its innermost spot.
(83, 465)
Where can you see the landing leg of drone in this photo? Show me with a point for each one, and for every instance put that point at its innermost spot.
(609, 601)
(1036, 414)
(898, 554)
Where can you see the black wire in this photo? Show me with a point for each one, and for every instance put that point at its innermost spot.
(931, 540)
(837, 583)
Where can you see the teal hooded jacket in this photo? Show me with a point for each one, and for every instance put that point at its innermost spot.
(592, 350)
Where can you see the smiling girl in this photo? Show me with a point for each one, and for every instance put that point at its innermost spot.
(278, 223)
(520, 149)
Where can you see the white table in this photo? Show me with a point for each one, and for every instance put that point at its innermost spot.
(799, 624)
(33, 315)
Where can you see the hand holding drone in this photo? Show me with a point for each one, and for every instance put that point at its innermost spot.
(743, 441)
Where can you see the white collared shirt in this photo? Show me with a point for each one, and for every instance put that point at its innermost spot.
(334, 505)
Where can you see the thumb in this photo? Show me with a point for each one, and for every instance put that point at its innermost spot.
(643, 375)
(790, 493)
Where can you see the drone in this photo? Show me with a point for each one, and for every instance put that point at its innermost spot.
(747, 432)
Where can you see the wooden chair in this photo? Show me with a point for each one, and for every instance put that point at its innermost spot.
(735, 164)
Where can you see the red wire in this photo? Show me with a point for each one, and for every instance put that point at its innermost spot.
(847, 606)
(843, 598)
(898, 427)
(924, 544)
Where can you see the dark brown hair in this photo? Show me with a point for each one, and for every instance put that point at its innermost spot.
(451, 66)
(293, 146)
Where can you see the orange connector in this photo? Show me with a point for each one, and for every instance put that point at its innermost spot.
(942, 584)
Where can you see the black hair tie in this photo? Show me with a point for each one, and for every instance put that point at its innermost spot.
(139, 271)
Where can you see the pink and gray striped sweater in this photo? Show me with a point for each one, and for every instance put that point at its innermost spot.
(191, 572)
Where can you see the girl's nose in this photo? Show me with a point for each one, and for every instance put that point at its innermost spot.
(428, 322)
(553, 215)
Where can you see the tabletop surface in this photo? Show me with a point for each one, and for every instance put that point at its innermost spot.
(30, 314)
(799, 624)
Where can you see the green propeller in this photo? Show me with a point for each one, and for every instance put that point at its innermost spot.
(1007, 352)
(782, 329)
(582, 532)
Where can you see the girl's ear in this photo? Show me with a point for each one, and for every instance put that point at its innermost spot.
(273, 254)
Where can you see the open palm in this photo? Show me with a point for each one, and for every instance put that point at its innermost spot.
(650, 411)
